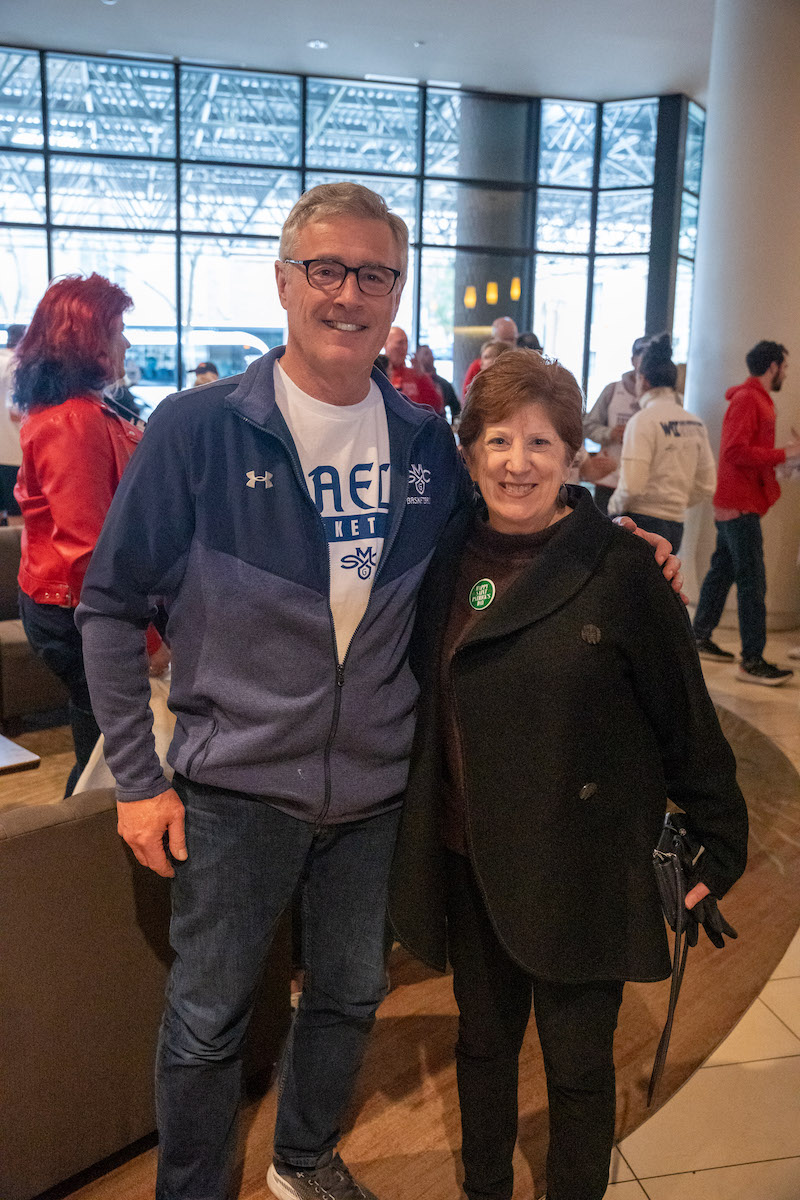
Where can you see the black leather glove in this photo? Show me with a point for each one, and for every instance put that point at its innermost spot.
(707, 914)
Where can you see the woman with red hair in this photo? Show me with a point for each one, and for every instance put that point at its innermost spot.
(74, 450)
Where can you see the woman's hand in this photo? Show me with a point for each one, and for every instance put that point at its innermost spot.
(698, 893)
(662, 551)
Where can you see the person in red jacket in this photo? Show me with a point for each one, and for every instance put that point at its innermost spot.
(412, 383)
(504, 329)
(746, 489)
(74, 450)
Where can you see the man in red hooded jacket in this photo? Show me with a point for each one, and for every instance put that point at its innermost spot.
(746, 489)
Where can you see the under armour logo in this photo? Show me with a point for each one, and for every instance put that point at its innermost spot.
(253, 479)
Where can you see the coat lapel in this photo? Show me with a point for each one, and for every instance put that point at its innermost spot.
(560, 569)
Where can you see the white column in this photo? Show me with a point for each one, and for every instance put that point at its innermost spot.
(747, 281)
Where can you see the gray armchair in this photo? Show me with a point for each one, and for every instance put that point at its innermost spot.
(26, 684)
(84, 955)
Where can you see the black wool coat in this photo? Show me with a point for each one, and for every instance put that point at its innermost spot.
(582, 708)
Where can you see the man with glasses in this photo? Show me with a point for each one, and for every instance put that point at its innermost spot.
(287, 517)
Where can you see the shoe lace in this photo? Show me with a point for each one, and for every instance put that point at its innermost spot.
(326, 1178)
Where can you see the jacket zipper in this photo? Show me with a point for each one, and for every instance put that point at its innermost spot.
(340, 666)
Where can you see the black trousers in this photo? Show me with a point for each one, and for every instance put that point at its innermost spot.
(54, 636)
(576, 1025)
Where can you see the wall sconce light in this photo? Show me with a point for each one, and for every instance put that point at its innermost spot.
(491, 293)
(470, 297)
(516, 288)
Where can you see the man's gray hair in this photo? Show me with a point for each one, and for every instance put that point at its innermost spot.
(329, 200)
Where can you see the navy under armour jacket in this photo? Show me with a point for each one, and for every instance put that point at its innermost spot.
(213, 515)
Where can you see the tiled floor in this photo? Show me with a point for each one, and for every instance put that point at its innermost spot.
(733, 1131)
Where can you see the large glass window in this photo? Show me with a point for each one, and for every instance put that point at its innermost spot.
(22, 188)
(112, 106)
(567, 141)
(623, 221)
(362, 126)
(237, 200)
(121, 193)
(20, 99)
(160, 171)
(618, 311)
(628, 152)
(23, 273)
(231, 312)
(684, 281)
(560, 307)
(693, 158)
(563, 220)
(240, 116)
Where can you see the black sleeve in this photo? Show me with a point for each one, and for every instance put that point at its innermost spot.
(698, 763)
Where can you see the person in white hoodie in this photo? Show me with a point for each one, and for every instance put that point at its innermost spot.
(666, 464)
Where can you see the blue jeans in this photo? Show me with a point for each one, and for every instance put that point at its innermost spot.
(245, 861)
(738, 558)
(671, 530)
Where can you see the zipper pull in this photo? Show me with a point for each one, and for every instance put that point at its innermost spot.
(339, 675)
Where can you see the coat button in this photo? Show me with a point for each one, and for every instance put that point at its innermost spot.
(591, 634)
(587, 791)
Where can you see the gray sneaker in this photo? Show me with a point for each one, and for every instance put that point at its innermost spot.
(331, 1182)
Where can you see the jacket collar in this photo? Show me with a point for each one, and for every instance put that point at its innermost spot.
(659, 394)
(254, 396)
(556, 574)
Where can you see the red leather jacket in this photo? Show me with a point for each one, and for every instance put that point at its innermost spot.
(73, 456)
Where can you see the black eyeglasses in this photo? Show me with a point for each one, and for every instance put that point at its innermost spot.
(327, 275)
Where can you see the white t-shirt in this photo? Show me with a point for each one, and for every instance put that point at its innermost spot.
(344, 453)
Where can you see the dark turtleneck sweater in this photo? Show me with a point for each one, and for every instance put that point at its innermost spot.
(500, 558)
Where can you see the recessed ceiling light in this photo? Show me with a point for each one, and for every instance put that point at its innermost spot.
(109, 2)
(314, 44)
(418, 44)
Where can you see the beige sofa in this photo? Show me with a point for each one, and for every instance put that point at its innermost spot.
(83, 959)
(26, 684)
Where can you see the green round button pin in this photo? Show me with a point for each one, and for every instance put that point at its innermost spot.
(481, 594)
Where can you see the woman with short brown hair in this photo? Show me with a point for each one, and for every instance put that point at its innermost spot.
(562, 702)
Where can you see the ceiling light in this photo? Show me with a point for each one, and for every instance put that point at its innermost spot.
(314, 44)
(418, 44)
(109, 2)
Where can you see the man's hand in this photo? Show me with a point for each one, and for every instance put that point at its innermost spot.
(143, 823)
(617, 434)
(662, 551)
